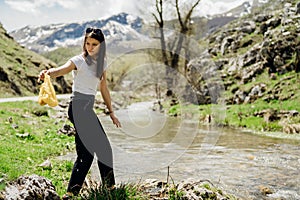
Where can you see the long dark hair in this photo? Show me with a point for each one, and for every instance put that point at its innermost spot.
(97, 34)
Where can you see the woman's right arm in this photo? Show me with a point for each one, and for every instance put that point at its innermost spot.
(59, 71)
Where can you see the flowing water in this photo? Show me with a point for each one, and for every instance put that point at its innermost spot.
(240, 163)
(151, 145)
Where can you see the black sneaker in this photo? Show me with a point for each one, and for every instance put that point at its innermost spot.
(67, 196)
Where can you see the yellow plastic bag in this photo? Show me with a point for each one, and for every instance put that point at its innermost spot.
(47, 93)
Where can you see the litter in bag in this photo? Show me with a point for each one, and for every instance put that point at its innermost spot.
(47, 93)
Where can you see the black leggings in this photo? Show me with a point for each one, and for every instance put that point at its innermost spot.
(90, 138)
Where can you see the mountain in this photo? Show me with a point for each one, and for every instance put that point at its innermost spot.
(19, 68)
(245, 8)
(117, 29)
(255, 57)
(49, 37)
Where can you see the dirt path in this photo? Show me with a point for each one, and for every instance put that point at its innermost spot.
(31, 98)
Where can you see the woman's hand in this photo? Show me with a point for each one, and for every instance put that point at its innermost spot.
(42, 75)
(115, 120)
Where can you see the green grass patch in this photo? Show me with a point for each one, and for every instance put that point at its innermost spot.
(245, 115)
(122, 191)
(28, 136)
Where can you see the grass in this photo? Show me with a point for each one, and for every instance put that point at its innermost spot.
(245, 116)
(138, 192)
(123, 191)
(19, 67)
(28, 136)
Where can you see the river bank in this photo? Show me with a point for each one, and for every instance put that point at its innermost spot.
(210, 153)
(39, 188)
(38, 132)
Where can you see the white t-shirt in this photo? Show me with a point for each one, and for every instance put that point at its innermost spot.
(84, 77)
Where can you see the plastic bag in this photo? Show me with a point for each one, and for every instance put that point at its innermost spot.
(47, 93)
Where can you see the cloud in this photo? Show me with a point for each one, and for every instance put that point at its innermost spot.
(69, 4)
(35, 6)
(218, 6)
(23, 6)
(82, 8)
(16, 14)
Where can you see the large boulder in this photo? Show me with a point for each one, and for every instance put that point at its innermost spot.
(31, 187)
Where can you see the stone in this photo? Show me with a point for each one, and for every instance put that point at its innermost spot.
(31, 187)
(47, 165)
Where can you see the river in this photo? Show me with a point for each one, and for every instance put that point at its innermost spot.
(238, 162)
(242, 163)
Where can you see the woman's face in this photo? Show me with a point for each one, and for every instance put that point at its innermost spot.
(92, 46)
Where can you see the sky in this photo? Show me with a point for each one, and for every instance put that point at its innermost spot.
(15, 14)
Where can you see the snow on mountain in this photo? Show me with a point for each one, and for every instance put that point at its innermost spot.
(241, 10)
(116, 31)
(49, 37)
(117, 28)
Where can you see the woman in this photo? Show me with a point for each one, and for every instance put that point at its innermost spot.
(88, 71)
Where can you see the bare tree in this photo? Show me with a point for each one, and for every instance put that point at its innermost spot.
(185, 26)
(160, 21)
(172, 56)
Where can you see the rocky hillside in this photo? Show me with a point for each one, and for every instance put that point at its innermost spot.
(19, 68)
(255, 57)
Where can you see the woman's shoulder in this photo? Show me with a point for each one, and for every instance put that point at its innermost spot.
(78, 60)
(78, 57)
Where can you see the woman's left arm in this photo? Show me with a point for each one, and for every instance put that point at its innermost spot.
(107, 99)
